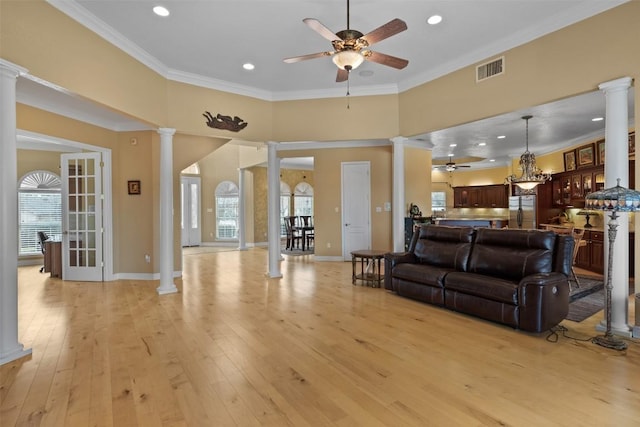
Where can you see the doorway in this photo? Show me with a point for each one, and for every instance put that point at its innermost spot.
(190, 205)
(356, 207)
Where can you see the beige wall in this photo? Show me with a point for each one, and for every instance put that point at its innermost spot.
(417, 172)
(33, 160)
(328, 203)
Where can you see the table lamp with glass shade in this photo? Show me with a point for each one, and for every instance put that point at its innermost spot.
(615, 199)
(587, 213)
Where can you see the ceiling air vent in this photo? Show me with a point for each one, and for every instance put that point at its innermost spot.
(492, 68)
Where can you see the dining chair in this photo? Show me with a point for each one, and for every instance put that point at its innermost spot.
(294, 237)
(309, 234)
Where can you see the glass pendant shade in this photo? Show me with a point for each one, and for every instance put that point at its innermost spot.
(348, 59)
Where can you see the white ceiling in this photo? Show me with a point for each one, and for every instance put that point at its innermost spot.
(206, 43)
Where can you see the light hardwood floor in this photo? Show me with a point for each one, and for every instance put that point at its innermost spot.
(234, 348)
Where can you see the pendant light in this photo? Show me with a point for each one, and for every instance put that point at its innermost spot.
(531, 175)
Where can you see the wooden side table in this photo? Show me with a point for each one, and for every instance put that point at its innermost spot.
(370, 277)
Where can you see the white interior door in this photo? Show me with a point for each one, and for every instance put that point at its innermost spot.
(356, 207)
(190, 196)
(82, 253)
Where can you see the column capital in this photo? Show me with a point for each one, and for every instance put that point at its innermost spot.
(617, 84)
(274, 144)
(10, 68)
(166, 131)
(398, 140)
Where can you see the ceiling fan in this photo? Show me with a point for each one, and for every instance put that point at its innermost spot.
(450, 166)
(351, 46)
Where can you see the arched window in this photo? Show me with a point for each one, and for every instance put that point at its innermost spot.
(285, 203)
(227, 210)
(39, 209)
(303, 199)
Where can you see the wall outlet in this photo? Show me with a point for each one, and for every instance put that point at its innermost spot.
(328, 244)
(147, 258)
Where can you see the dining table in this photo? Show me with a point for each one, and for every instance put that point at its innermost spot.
(304, 229)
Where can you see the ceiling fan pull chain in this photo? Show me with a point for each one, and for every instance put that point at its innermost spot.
(348, 106)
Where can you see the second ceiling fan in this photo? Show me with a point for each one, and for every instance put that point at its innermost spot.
(450, 166)
(351, 46)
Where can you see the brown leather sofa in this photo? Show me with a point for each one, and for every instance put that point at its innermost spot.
(515, 277)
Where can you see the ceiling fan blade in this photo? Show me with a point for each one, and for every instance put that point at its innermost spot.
(342, 76)
(305, 57)
(319, 28)
(389, 29)
(384, 59)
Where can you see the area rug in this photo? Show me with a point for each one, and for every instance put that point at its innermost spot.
(588, 299)
(297, 252)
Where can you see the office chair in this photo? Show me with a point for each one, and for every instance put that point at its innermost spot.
(42, 237)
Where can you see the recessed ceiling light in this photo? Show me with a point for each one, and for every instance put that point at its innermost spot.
(248, 66)
(435, 19)
(161, 11)
(482, 144)
(453, 145)
(492, 160)
(501, 137)
(597, 119)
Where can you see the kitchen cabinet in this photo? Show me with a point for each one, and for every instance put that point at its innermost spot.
(481, 196)
(591, 256)
(570, 188)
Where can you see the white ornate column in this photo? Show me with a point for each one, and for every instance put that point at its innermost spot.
(617, 166)
(398, 209)
(10, 348)
(166, 212)
(273, 194)
(242, 236)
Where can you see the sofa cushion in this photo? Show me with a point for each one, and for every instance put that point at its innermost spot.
(421, 273)
(446, 247)
(487, 287)
(512, 254)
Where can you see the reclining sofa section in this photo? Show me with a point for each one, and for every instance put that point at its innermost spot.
(515, 277)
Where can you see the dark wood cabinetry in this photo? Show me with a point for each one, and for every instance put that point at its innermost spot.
(570, 188)
(482, 196)
(591, 256)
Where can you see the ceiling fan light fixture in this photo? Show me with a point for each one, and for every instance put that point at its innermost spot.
(531, 175)
(348, 59)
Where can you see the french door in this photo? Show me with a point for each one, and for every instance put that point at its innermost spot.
(190, 222)
(82, 253)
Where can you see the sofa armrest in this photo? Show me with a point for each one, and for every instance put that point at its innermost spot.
(544, 301)
(391, 259)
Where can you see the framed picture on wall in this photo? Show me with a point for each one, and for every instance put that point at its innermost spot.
(570, 160)
(133, 187)
(585, 156)
(632, 144)
(600, 147)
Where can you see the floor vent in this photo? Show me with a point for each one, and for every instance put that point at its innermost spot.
(495, 67)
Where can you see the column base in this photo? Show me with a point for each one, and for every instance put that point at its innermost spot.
(14, 355)
(167, 290)
(624, 331)
(636, 331)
